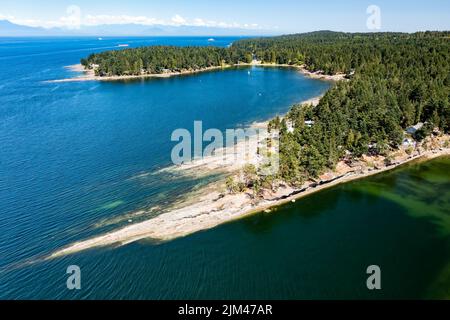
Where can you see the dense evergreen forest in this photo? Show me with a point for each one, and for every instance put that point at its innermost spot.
(160, 59)
(395, 80)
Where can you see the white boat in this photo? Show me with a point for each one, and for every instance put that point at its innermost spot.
(211, 40)
(123, 45)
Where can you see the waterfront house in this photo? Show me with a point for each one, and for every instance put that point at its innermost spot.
(413, 129)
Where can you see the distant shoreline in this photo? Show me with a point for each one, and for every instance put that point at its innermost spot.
(201, 216)
(89, 75)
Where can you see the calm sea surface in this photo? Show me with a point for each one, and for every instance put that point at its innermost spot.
(76, 159)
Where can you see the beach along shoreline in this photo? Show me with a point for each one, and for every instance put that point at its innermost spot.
(212, 211)
(214, 207)
(89, 74)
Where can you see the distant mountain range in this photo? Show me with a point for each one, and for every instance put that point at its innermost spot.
(9, 29)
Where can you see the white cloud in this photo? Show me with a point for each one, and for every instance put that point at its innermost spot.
(28, 22)
(179, 20)
(199, 22)
(210, 23)
(69, 21)
(74, 19)
(91, 20)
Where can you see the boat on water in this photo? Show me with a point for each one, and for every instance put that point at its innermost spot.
(211, 40)
(123, 45)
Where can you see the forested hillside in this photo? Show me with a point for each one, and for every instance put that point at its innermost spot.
(395, 80)
(399, 80)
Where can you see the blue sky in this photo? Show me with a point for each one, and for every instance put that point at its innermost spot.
(281, 16)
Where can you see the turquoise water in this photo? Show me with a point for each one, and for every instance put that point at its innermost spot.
(76, 158)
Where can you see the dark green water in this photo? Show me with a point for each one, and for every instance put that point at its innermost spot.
(318, 247)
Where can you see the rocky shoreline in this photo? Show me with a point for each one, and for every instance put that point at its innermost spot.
(212, 207)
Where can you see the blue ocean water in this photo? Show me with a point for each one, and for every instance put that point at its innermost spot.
(75, 158)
